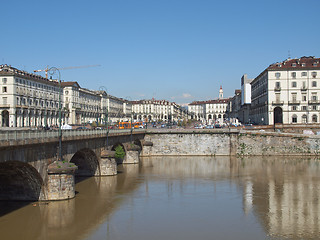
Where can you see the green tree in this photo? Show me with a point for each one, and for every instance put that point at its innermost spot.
(120, 153)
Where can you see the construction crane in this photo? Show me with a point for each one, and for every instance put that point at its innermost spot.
(64, 68)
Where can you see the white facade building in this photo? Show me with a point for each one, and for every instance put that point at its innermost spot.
(157, 110)
(211, 111)
(27, 99)
(287, 92)
(30, 100)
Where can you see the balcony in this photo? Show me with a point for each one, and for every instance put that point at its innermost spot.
(294, 102)
(4, 105)
(277, 102)
(277, 89)
(303, 88)
(314, 101)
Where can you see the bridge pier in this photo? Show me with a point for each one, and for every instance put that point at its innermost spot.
(132, 154)
(108, 164)
(61, 183)
(146, 147)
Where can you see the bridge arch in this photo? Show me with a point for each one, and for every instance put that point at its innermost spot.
(19, 181)
(87, 163)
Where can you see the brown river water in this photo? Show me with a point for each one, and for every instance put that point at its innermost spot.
(181, 198)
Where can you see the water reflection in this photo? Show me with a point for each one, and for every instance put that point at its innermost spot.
(284, 194)
(97, 198)
(182, 198)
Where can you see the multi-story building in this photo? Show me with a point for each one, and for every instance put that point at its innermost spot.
(29, 100)
(234, 107)
(157, 110)
(287, 92)
(210, 111)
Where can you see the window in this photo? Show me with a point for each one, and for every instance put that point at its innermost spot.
(314, 118)
(277, 84)
(314, 107)
(314, 74)
(315, 64)
(294, 84)
(4, 80)
(294, 97)
(303, 74)
(314, 83)
(294, 108)
(294, 118)
(304, 97)
(4, 100)
(314, 97)
(294, 65)
(293, 74)
(4, 89)
(304, 119)
(304, 108)
(303, 64)
(277, 75)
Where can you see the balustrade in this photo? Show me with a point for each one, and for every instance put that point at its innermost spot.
(14, 135)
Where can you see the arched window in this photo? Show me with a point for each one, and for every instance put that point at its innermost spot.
(314, 118)
(304, 118)
(294, 118)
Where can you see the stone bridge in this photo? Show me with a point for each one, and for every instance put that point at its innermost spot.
(29, 169)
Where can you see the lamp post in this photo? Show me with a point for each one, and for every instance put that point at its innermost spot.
(106, 121)
(131, 113)
(52, 71)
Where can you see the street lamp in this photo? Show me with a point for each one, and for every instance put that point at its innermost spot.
(52, 71)
(131, 124)
(106, 121)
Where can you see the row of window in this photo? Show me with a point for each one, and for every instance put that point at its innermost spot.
(37, 102)
(37, 85)
(294, 84)
(304, 108)
(294, 74)
(304, 118)
(294, 97)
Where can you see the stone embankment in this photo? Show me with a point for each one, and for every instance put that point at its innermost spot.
(232, 142)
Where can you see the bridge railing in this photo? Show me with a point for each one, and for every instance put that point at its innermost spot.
(14, 135)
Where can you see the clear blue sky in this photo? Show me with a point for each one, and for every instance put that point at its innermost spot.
(179, 50)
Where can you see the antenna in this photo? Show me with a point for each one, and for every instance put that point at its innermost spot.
(289, 55)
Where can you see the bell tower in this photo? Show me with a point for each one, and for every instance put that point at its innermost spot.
(220, 93)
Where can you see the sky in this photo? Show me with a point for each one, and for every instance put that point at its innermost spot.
(178, 50)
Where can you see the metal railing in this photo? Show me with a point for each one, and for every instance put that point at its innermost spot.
(15, 135)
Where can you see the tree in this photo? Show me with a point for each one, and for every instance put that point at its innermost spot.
(120, 153)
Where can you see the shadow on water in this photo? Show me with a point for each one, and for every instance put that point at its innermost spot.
(7, 207)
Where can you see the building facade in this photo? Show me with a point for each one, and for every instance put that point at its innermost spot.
(158, 110)
(234, 107)
(211, 111)
(27, 99)
(287, 92)
(30, 100)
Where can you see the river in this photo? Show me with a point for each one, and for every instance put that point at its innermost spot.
(181, 198)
